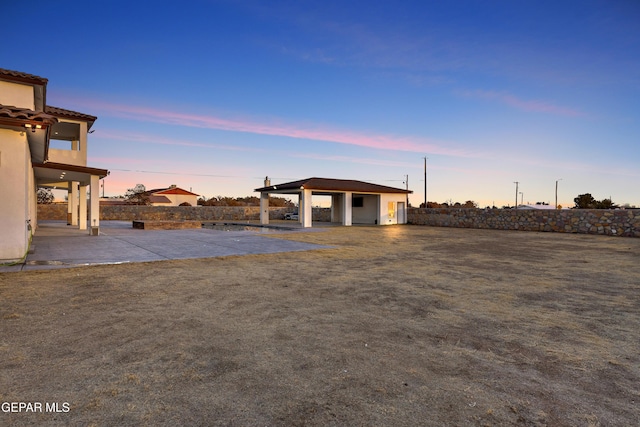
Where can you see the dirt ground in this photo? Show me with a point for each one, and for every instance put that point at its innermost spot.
(396, 325)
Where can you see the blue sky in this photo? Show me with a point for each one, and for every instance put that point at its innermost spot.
(215, 95)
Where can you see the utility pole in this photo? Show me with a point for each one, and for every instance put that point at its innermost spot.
(559, 179)
(425, 182)
(516, 183)
(406, 181)
(521, 198)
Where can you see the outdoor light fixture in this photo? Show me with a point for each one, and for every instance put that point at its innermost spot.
(32, 127)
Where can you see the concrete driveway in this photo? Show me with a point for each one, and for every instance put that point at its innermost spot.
(57, 245)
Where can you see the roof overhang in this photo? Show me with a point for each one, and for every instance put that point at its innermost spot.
(36, 125)
(328, 186)
(63, 113)
(59, 174)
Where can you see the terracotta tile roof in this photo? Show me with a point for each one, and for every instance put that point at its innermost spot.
(330, 184)
(18, 76)
(170, 190)
(9, 112)
(176, 190)
(61, 112)
(158, 199)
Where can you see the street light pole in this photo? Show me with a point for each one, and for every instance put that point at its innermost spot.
(559, 179)
(516, 183)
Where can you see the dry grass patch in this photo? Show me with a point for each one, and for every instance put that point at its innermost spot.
(392, 326)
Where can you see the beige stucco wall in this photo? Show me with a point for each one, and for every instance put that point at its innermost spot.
(69, 157)
(16, 94)
(17, 194)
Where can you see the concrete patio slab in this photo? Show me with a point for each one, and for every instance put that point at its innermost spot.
(57, 245)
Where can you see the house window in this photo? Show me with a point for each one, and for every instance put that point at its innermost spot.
(357, 202)
(391, 206)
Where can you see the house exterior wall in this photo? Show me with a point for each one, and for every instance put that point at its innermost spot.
(389, 208)
(68, 157)
(17, 95)
(368, 212)
(32, 198)
(17, 193)
(337, 207)
(177, 199)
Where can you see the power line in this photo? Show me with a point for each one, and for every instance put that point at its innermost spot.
(177, 173)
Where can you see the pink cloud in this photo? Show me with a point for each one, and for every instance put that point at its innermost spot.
(360, 160)
(525, 105)
(155, 139)
(273, 127)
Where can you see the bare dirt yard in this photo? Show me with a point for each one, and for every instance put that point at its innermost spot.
(397, 325)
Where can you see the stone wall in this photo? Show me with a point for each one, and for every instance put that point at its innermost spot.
(58, 211)
(621, 222)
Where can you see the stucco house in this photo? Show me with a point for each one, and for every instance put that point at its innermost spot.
(41, 146)
(172, 196)
(352, 202)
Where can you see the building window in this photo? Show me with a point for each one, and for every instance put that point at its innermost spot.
(357, 202)
(391, 206)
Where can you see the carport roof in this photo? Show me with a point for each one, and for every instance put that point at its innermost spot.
(330, 185)
(51, 173)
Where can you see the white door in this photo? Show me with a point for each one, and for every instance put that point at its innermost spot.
(402, 219)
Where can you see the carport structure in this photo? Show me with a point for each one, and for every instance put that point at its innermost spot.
(352, 202)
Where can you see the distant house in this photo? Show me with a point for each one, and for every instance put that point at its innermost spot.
(41, 146)
(172, 196)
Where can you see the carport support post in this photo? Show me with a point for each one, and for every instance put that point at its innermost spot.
(69, 202)
(83, 208)
(347, 210)
(306, 210)
(94, 212)
(73, 202)
(264, 208)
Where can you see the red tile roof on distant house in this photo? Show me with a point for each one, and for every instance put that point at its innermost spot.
(158, 199)
(171, 190)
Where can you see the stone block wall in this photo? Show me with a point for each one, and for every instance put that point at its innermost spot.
(620, 222)
(180, 213)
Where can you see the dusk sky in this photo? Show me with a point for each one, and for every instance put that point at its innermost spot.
(215, 95)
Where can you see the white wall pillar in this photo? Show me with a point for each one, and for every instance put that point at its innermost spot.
(306, 209)
(83, 208)
(83, 142)
(264, 208)
(94, 210)
(72, 204)
(347, 208)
